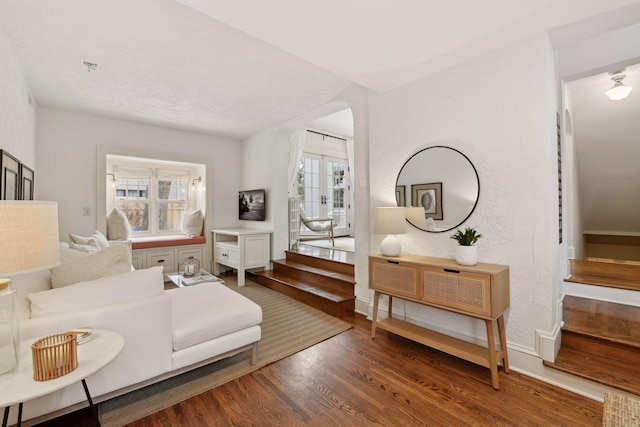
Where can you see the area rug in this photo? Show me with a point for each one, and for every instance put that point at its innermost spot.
(288, 327)
(342, 244)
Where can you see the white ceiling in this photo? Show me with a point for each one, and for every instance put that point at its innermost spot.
(245, 65)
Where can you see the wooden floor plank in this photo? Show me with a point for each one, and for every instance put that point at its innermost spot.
(353, 380)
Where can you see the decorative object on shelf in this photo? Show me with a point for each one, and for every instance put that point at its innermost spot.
(9, 329)
(390, 221)
(466, 252)
(54, 356)
(619, 90)
(9, 177)
(29, 241)
(191, 266)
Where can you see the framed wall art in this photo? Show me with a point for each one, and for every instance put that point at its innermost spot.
(9, 177)
(400, 195)
(429, 197)
(27, 180)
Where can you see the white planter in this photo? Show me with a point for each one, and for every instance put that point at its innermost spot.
(467, 255)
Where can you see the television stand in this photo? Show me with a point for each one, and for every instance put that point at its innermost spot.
(241, 249)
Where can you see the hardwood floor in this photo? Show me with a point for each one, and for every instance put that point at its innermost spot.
(353, 380)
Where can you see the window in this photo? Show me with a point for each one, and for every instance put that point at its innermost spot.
(153, 195)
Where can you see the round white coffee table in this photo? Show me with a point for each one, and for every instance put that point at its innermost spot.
(93, 355)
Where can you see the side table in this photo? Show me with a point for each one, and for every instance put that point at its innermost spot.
(93, 355)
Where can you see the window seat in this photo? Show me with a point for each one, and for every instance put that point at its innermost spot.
(164, 241)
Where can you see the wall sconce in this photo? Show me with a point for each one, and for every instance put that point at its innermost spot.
(619, 90)
(193, 183)
(113, 181)
(390, 221)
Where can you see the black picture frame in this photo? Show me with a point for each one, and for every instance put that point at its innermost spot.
(27, 179)
(400, 195)
(9, 177)
(429, 197)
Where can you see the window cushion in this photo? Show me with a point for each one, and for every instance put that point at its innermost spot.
(192, 223)
(101, 292)
(113, 260)
(96, 238)
(118, 227)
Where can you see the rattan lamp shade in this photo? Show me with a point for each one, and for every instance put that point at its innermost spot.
(28, 236)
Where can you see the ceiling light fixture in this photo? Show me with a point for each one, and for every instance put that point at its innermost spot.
(90, 66)
(619, 90)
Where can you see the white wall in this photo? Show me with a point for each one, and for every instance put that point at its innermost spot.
(17, 116)
(67, 145)
(499, 110)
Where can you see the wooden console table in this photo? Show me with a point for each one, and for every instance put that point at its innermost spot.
(480, 291)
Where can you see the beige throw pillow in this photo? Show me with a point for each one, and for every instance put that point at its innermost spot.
(118, 227)
(192, 223)
(112, 260)
(97, 238)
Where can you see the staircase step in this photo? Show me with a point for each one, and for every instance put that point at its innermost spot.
(621, 276)
(610, 321)
(302, 273)
(333, 303)
(600, 342)
(604, 370)
(323, 263)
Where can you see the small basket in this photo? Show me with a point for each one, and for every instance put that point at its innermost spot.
(54, 356)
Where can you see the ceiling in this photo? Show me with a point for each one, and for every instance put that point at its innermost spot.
(236, 67)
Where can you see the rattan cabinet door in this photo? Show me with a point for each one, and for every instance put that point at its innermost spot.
(397, 278)
(457, 290)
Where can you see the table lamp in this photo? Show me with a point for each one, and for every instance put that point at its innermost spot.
(28, 242)
(390, 221)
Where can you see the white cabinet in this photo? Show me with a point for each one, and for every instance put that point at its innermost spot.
(241, 249)
(169, 257)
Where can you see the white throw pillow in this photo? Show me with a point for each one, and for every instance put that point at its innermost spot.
(98, 293)
(118, 227)
(113, 260)
(192, 223)
(90, 247)
(96, 238)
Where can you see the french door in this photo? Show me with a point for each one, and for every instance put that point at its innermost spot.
(324, 189)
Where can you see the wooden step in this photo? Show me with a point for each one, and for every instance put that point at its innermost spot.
(600, 342)
(331, 302)
(323, 263)
(340, 283)
(621, 276)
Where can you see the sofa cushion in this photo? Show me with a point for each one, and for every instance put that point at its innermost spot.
(192, 223)
(97, 238)
(113, 260)
(209, 310)
(98, 293)
(118, 227)
(27, 283)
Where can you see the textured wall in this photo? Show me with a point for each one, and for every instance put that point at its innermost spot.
(17, 116)
(498, 109)
(67, 159)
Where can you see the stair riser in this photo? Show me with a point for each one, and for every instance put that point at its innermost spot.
(318, 280)
(594, 345)
(329, 307)
(325, 264)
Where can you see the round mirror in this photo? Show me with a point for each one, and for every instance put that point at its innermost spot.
(441, 186)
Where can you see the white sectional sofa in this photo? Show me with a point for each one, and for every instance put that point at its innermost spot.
(166, 332)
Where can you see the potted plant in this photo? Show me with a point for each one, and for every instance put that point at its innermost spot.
(466, 252)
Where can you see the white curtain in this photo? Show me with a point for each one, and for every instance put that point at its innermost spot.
(296, 145)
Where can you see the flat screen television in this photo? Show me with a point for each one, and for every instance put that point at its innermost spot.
(251, 205)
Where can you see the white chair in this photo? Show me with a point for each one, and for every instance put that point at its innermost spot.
(318, 225)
